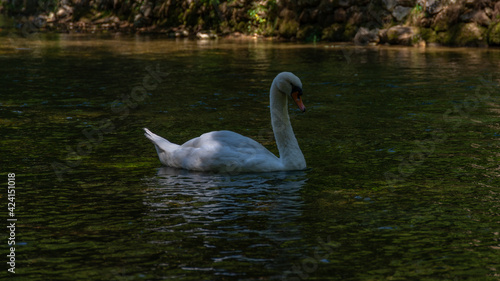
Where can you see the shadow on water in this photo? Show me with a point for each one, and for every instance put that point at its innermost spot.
(227, 224)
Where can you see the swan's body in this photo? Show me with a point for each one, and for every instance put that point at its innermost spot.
(226, 151)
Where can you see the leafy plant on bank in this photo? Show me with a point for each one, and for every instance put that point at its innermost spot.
(258, 15)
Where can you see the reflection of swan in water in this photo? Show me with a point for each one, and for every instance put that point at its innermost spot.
(241, 218)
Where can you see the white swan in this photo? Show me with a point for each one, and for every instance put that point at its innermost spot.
(226, 151)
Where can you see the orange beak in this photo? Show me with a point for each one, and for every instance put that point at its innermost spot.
(298, 101)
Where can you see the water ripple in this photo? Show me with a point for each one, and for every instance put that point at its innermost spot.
(253, 213)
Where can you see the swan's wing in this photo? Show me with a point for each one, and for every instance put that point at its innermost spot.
(226, 150)
(223, 139)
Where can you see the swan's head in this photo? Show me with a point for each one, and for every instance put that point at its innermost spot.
(289, 84)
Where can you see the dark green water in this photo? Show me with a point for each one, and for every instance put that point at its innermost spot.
(402, 146)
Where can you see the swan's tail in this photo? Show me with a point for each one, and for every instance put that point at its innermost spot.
(161, 144)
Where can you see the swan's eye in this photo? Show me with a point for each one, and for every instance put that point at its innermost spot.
(296, 94)
(296, 91)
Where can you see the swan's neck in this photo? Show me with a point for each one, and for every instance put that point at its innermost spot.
(290, 154)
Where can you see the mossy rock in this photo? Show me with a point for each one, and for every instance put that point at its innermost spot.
(441, 24)
(468, 35)
(350, 31)
(494, 35)
(428, 35)
(392, 36)
(446, 19)
(309, 33)
(288, 28)
(334, 32)
(402, 35)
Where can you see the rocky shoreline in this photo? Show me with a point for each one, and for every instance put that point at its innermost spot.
(472, 23)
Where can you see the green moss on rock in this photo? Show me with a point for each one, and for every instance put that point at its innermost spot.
(445, 22)
(494, 35)
(288, 28)
(446, 19)
(464, 34)
(402, 35)
(470, 34)
(309, 33)
(334, 32)
(428, 35)
(350, 31)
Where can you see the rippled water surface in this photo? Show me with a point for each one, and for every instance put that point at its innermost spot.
(402, 146)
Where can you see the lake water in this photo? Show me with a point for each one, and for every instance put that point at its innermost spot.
(402, 146)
